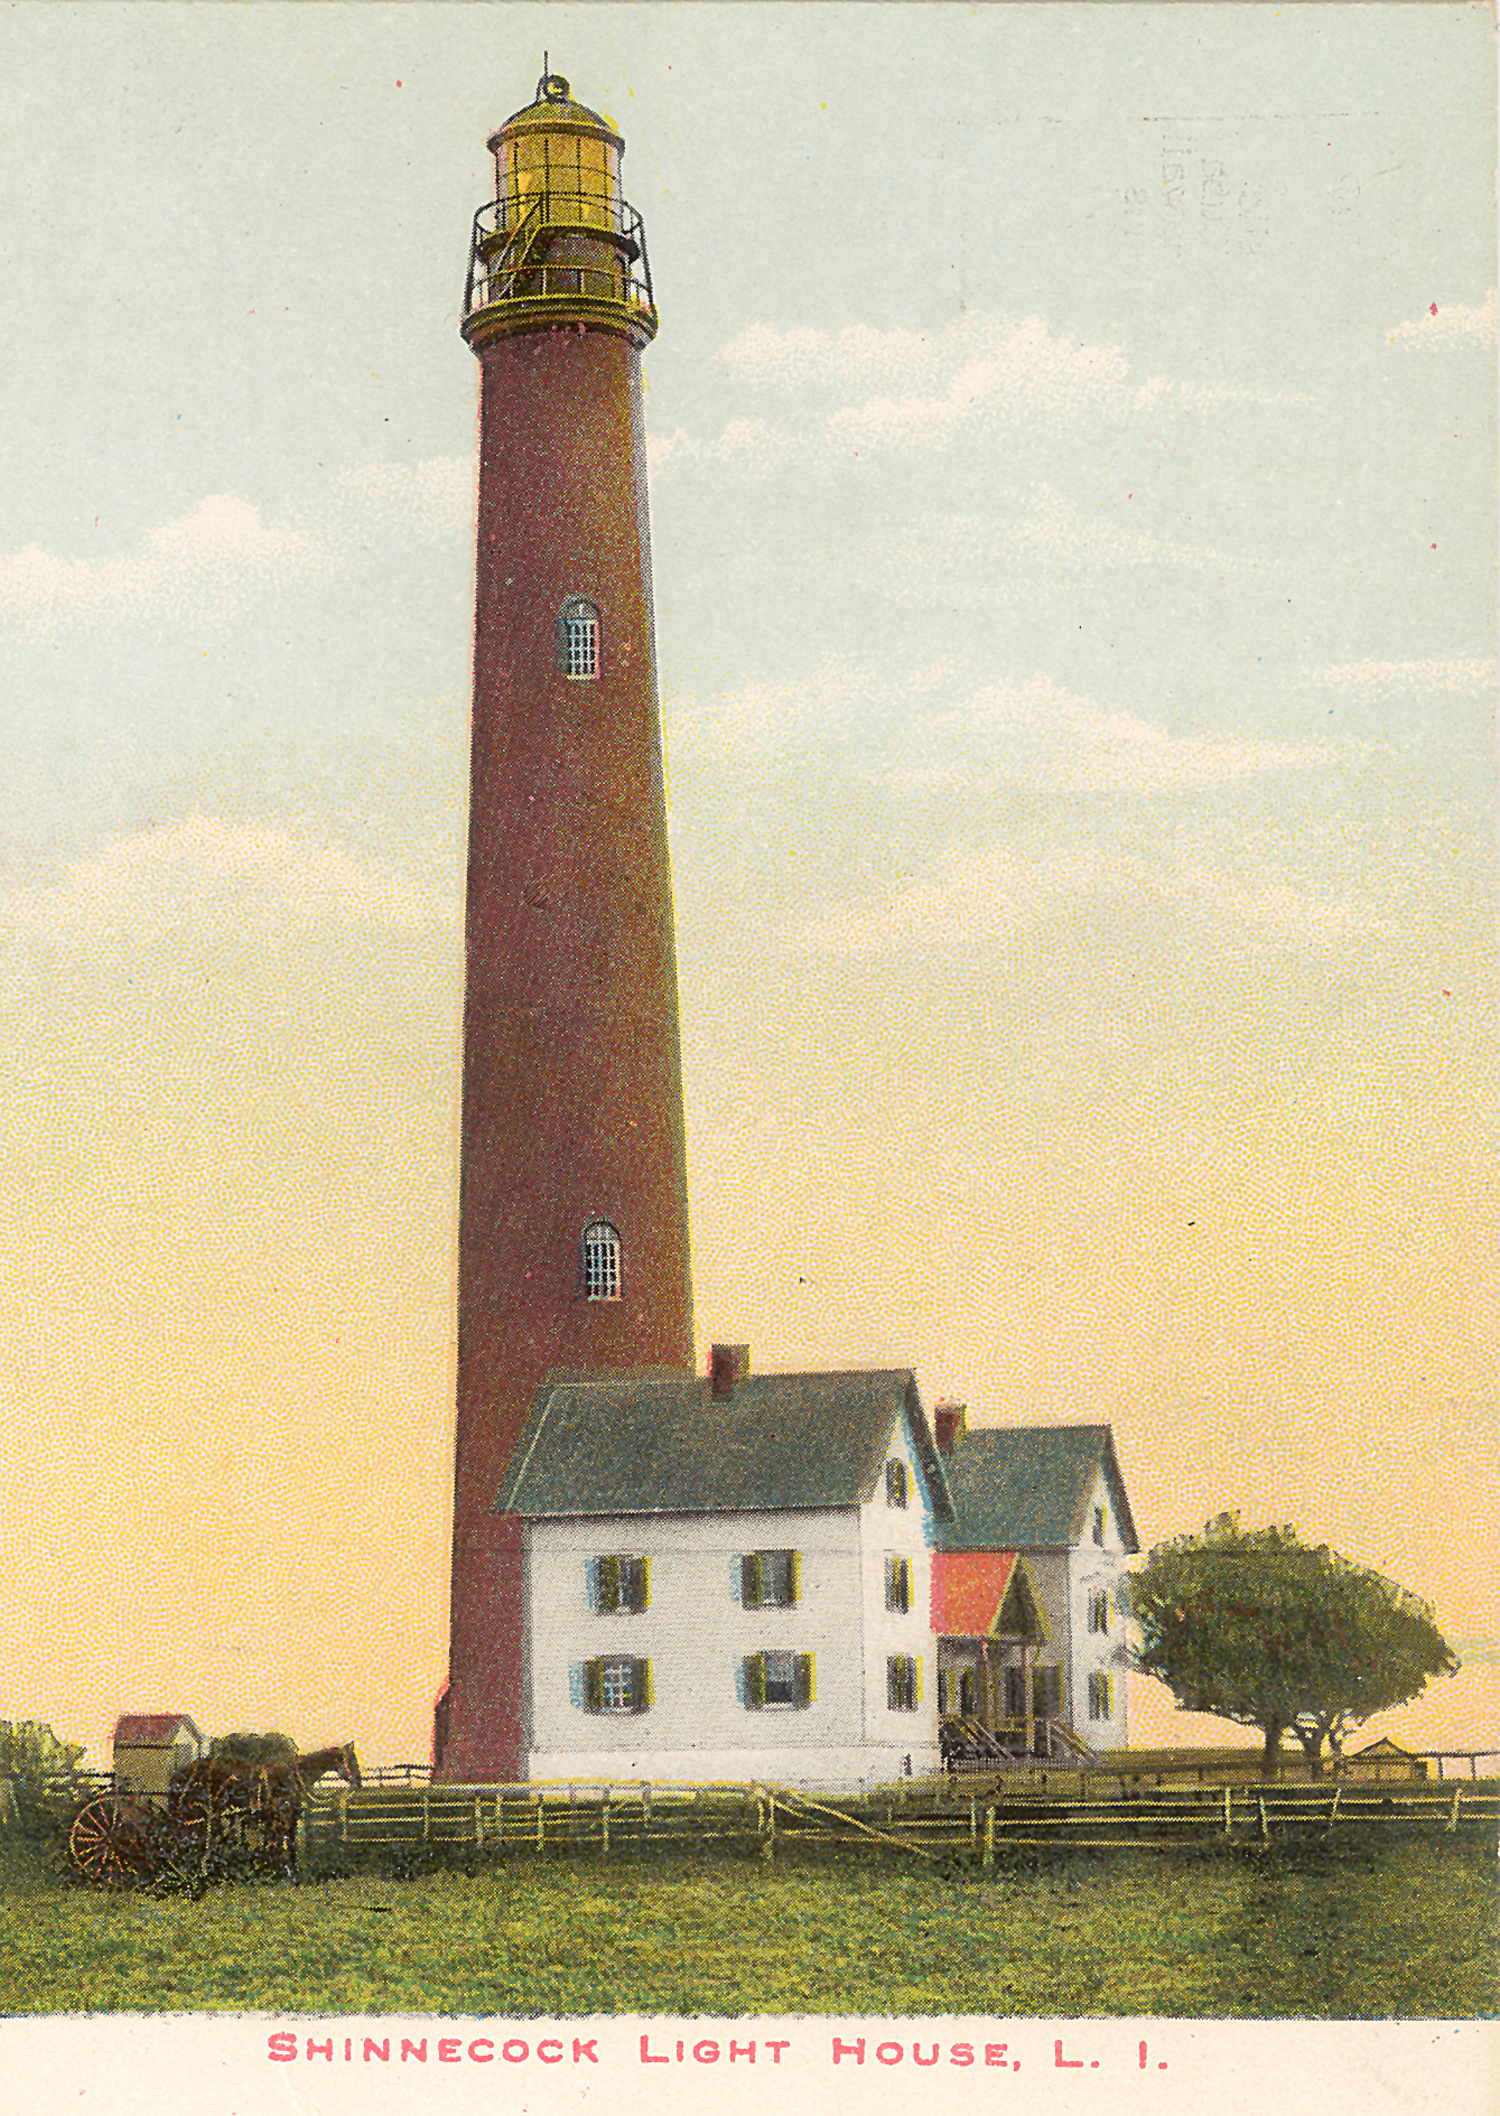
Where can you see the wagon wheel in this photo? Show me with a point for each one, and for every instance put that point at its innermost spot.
(111, 1841)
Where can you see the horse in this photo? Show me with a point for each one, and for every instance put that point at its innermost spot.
(255, 1806)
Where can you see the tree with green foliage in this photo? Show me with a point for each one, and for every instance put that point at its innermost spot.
(1261, 1628)
(32, 1763)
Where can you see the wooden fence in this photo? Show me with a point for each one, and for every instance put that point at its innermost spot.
(928, 1819)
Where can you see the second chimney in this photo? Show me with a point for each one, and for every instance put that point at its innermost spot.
(727, 1367)
(950, 1422)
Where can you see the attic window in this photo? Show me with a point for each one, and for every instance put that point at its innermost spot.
(601, 1261)
(896, 1482)
(1099, 1525)
(578, 640)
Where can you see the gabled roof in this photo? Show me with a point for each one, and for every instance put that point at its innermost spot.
(985, 1594)
(661, 1443)
(1026, 1487)
(151, 1730)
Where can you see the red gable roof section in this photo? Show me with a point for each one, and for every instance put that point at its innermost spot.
(151, 1730)
(968, 1587)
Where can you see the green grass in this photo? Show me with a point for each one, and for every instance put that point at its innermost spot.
(1361, 1931)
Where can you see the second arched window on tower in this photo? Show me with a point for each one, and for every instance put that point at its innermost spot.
(601, 1261)
(578, 639)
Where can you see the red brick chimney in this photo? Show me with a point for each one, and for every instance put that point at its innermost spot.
(727, 1367)
(950, 1422)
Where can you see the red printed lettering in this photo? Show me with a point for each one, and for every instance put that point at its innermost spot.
(961, 2054)
(382, 2049)
(320, 2049)
(582, 2050)
(647, 2056)
(550, 2044)
(450, 2050)
(741, 2050)
(888, 2053)
(516, 2051)
(918, 2059)
(706, 2053)
(777, 2048)
(416, 2050)
(994, 2053)
(841, 2050)
(482, 2050)
(281, 2048)
(1065, 2064)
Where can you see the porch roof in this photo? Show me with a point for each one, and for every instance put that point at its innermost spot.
(985, 1594)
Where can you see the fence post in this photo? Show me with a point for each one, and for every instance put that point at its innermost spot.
(541, 1821)
(478, 1819)
(1228, 1811)
(426, 1812)
(1333, 1812)
(1452, 1824)
(768, 1849)
(604, 1818)
(973, 1821)
(1265, 1827)
(989, 1835)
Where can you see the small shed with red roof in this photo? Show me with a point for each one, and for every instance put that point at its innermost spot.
(150, 1746)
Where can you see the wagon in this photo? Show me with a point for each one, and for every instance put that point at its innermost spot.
(219, 1815)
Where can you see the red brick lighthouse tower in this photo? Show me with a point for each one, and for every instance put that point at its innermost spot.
(573, 1218)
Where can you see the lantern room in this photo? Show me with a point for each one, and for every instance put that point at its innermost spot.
(557, 243)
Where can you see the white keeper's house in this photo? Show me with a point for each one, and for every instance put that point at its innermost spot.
(795, 1578)
(729, 1579)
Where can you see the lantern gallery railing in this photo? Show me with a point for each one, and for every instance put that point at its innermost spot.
(504, 266)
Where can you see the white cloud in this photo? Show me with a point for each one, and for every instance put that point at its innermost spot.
(1445, 325)
(969, 559)
(1099, 749)
(207, 565)
(1473, 677)
(205, 562)
(234, 874)
(976, 375)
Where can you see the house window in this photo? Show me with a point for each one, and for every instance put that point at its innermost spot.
(578, 640)
(1098, 1612)
(1101, 1695)
(895, 1483)
(903, 1682)
(779, 1679)
(898, 1584)
(771, 1579)
(621, 1584)
(619, 1683)
(1099, 1525)
(601, 1261)
(1046, 1692)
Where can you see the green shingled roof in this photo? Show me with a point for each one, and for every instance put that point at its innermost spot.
(660, 1443)
(1025, 1487)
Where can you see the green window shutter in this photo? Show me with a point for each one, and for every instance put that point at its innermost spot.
(892, 1683)
(642, 1689)
(640, 1584)
(595, 1673)
(607, 1582)
(755, 1681)
(752, 1580)
(794, 1576)
(807, 1678)
(903, 1585)
(916, 1693)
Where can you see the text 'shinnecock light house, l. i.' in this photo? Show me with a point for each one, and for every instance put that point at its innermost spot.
(573, 1244)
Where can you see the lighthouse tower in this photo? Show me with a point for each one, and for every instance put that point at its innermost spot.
(573, 1245)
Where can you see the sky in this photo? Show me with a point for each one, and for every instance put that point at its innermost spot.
(1071, 436)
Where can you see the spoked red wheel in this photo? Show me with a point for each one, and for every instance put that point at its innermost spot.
(111, 1841)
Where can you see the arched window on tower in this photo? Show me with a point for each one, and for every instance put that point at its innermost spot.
(578, 640)
(601, 1261)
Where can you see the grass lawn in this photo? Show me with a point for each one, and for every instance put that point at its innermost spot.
(1402, 1928)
